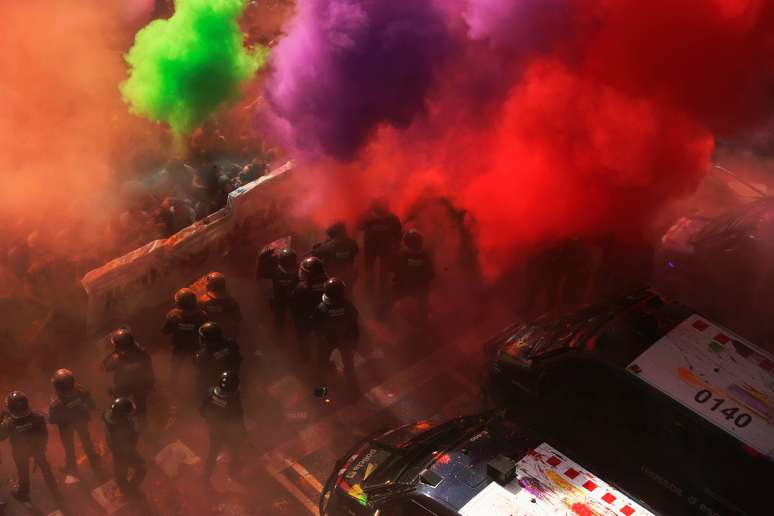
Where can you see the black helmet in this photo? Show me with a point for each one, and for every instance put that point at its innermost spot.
(185, 299)
(210, 331)
(18, 404)
(311, 269)
(216, 282)
(337, 230)
(335, 289)
(287, 259)
(63, 381)
(229, 382)
(413, 240)
(122, 339)
(122, 408)
(380, 206)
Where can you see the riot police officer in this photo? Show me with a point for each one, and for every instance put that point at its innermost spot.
(381, 240)
(220, 306)
(335, 320)
(132, 369)
(413, 272)
(28, 434)
(222, 410)
(306, 296)
(70, 410)
(183, 323)
(284, 278)
(217, 354)
(122, 435)
(338, 253)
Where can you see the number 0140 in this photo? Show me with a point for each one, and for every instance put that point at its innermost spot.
(740, 419)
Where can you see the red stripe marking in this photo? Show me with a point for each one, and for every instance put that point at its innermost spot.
(721, 338)
(700, 325)
(628, 511)
(554, 461)
(609, 498)
(571, 473)
(767, 365)
(590, 485)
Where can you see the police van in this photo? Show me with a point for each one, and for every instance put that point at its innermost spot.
(689, 403)
(483, 465)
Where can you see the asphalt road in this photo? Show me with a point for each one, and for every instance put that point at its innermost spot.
(294, 438)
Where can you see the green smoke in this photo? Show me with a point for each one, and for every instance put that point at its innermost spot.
(182, 69)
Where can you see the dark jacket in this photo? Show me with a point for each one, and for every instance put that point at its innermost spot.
(338, 255)
(121, 434)
(215, 358)
(413, 271)
(184, 325)
(304, 300)
(381, 233)
(283, 283)
(132, 371)
(72, 409)
(223, 412)
(223, 310)
(336, 323)
(28, 435)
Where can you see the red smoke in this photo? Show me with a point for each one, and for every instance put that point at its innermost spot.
(593, 134)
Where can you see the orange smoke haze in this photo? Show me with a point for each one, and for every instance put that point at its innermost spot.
(65, 134)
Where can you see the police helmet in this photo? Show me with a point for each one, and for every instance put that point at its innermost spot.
(122, 407)
(216, 282)
(211, 331)
(63, 381)
(337, 230)
(18, 404)
(413, 240)
(185, 299)
(311, 269)
(122, 339)
(335, 289)
(287, 258)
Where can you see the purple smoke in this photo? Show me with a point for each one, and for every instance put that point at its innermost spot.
(347, 66)
(520, 27)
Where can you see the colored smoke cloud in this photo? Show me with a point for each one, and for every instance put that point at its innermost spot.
(347, 66)
(182, 69)
(62, 122)
(545, 120)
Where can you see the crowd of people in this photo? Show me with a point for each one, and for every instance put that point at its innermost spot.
(178, 195)
(314, 313)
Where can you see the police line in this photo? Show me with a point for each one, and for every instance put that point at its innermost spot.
(144, 278)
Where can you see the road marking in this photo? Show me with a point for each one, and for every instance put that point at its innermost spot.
(374, 400)
(310, 479)
(296, 492)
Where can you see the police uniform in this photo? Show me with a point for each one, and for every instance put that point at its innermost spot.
(338, 255)
(225, 421)
(212, 360)
(72, 413)
(304, 300)
(337, 327)
(413, 273)
(132, 375)
(183, 326)
(122, 436)
(29, 440)
(283, 282)
(224, 310)
(381, 239)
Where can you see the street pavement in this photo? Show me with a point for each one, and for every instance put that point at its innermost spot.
(294, 438)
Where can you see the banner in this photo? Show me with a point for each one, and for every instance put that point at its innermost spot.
(146, 277)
